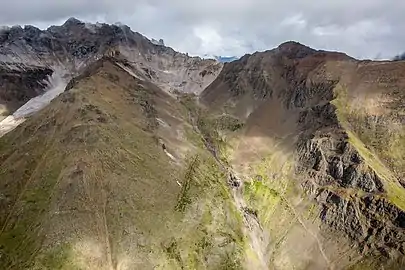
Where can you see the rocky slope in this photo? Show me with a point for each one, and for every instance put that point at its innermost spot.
(20, 83)
(75, 44)
(69, 48)
(290, 159)
(111, 175)
(322, 148)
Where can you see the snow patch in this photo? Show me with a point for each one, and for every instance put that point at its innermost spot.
(170, 155)
(162, 123)
(9, 123)
(249, 111)
(55, 87)
(130, 72)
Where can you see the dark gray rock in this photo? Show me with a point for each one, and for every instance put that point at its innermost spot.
(366, 183)
(320, 162)
(336, 168)
(20, 84)
(356, 158)
(350, 177)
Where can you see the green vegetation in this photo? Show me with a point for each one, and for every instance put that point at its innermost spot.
(213, 129)
(204, 176)
(184, 197)
(384, 152)
(228, 123)
(211, 225)
(58, 258)
(108, 190)
(270, 186)
(256, 192)
(173, 253)
(20, 235)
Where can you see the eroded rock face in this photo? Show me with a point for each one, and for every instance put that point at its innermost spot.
(325, 158)
(346, 188)
(358, 211)
(19, 83)
(67, 50)
(366, 221)
(76, 44)
(293, 94)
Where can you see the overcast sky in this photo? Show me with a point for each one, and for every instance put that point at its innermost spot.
(361, 28)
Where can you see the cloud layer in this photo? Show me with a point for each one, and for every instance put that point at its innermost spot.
(362, 28)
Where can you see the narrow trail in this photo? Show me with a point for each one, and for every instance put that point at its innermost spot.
(252, 228)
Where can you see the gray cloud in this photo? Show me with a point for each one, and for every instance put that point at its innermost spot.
(362, 28)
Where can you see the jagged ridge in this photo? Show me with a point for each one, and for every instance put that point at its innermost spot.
(300, 101)
(110, 175)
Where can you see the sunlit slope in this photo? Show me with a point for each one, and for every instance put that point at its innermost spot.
(320, 155)
(111, 176)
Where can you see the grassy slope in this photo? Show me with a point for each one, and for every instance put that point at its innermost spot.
(85, 185)
(271, 190)
(379, 141)
(291, 218)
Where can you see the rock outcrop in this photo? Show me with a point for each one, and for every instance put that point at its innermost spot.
(69, 48)
(306, 101)
(294, 161)
(20, 83)
(110, 175)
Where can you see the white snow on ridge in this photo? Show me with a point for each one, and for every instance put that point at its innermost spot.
(9, 123)
(129, 71)
(169, 155)
(56, 86)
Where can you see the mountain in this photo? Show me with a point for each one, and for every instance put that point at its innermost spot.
(226, 59)
(321, 153)
(290, 158)
(221, 59)
(67, 49)
(111, 175)
(20, 83)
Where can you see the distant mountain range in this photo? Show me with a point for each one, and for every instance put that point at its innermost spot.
(222, 59)
(226, 59)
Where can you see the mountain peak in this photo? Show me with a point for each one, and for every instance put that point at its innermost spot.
(292, 43)
(293, 49)
(72, 21)
(159, 42)
(285, 144)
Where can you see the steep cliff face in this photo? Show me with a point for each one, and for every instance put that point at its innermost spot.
(65, 51)
(309, 151)
(294, 161)
(75, 44)
(68, 49)
(19, 83)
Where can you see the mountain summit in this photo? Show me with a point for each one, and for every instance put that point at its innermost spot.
(68, 49)
(119, 153)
